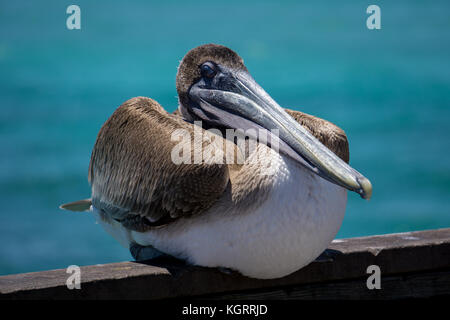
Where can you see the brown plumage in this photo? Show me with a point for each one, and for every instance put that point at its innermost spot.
(131, 173)
(328, 133)
(134, 180)
(188, 71)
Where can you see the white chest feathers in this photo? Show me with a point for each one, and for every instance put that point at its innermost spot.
(292, 227)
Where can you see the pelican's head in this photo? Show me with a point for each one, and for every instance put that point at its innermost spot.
(214, 86)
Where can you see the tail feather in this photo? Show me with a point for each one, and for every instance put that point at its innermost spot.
(79, 206)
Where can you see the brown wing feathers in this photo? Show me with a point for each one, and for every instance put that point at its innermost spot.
(132, 174)
(329, 134)
(134, 180)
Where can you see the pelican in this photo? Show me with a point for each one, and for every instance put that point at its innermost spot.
(266, 214)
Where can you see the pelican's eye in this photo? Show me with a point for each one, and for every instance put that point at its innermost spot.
(208, 70)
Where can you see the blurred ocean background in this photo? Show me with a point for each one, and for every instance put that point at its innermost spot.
(389, 89)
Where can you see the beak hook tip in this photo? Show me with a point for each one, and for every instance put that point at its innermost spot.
(366, 188)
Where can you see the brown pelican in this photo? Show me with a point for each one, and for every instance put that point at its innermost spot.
(266, 216)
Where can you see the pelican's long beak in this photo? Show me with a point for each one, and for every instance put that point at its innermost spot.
(235, 100)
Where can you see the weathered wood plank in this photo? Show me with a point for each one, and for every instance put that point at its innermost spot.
(408, 286)
(422, 252)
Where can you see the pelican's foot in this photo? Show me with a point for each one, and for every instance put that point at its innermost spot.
(226, 270)
(141, 253)
(328, 255)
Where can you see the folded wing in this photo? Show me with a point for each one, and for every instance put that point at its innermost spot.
(132, 173)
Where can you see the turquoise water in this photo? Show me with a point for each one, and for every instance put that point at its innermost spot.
(389, 89)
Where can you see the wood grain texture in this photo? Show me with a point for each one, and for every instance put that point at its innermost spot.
(411, 285)
(414, 264)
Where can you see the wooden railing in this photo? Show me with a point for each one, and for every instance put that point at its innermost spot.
(411, 265)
